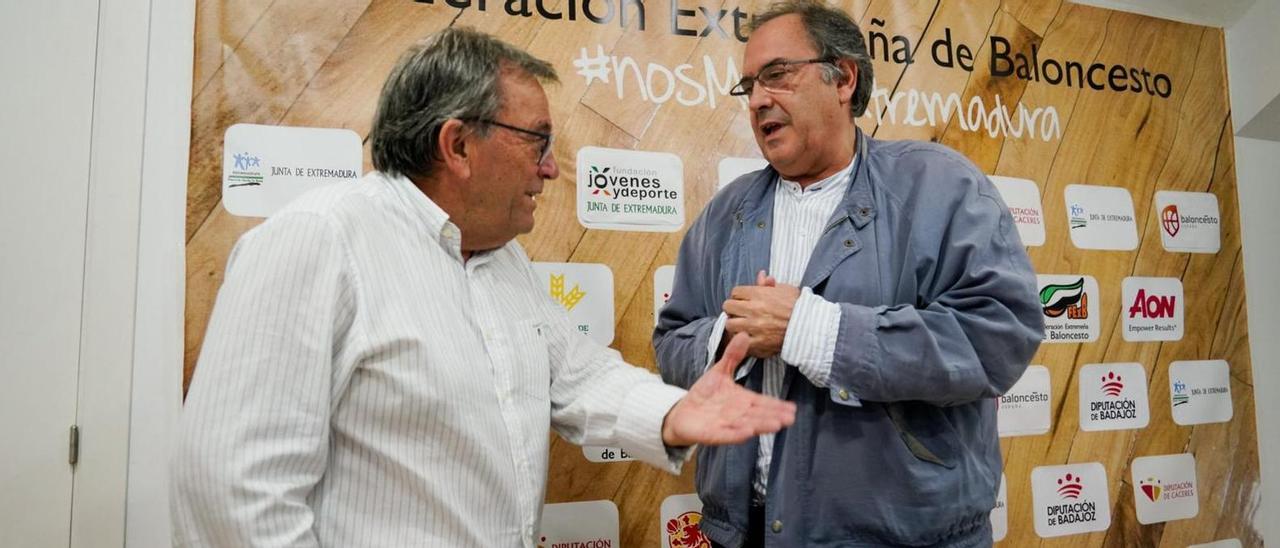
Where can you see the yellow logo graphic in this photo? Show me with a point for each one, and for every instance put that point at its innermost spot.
(567, 300)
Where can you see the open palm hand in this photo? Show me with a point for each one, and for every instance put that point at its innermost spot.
(718, 411)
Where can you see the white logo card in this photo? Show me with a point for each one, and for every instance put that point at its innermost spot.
(1189, 221)
(1153, 309)
(1025, 409)
(266, 167)
(1113, 396)
(1227, 543)
(1070, 499)
(606, 454)
(1023, 198)
(630, 190)
(1101, 217)
(663, 279)
(585, 292)
(1200, 391)
(590, 523)
(679, 519)
(732, 167)
(1164, 488)
(1070, 306)
(1000, 514)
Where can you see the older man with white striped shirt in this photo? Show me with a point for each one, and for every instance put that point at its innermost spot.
(382, 366)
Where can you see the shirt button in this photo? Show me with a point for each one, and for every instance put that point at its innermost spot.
(777, 526)
(844, 394)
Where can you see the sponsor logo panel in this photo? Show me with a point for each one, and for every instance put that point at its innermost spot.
(1025, 409)
(731, 168)
(1153, 309)
(1165, 488)
(1189, 221)
(1101, 217)
(1070, 499)
(585, 292)
(1070, 306)
(1023, 198)
(663, 279)
(678, 521)
(630, 190)
(266, 167)
(1200, 391)
(1000, 514)
(1225, 543)
(590, 524)
(596, 453)
(1113, 396)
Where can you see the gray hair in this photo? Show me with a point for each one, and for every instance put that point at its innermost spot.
(452, 74)
(835, 35)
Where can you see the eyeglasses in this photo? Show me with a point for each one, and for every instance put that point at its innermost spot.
(775, 77)
(547, 138)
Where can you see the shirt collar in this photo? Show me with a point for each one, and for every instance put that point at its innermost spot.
(831, 184)
(434, 220)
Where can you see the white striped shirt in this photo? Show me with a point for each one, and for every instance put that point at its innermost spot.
(800, 216)
(361, 385)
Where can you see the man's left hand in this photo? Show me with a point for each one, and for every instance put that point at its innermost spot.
(762, 311)
(718, 411)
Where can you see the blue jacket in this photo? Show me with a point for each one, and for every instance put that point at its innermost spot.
(939, 315)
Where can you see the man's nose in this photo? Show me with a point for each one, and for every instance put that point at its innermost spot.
(549, 168)
(759, 98)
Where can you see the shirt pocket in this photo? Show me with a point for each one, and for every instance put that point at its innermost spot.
(531, 366)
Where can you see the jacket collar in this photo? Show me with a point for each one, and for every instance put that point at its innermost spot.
(857, 205)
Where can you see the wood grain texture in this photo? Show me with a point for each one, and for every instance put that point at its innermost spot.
(321, 64)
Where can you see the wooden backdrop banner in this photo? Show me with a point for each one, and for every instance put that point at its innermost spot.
(1109, 135)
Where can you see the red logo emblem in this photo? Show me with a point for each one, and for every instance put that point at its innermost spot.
(684, 532)
(1069, 487)
(1112, 384)
(1170, 221)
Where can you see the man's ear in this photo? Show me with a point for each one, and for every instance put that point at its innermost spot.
(847, 82)
(456, 148)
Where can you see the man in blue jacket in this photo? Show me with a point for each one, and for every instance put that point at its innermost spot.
(884, 290)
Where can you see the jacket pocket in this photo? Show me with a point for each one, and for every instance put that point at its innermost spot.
(925, 431)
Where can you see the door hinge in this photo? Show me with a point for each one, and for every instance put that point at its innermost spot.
(73, 450)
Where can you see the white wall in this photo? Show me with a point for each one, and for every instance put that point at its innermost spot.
(1213, 13)
(46, 102)
(1253, 44)
(129, 96)
(1258, 180)
(1254, 75)
(158, 325)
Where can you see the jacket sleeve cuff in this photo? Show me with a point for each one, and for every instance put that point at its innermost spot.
(640, 425)
(810, 341)
(853, 372)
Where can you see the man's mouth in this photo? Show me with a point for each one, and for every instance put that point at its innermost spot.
(771, 127)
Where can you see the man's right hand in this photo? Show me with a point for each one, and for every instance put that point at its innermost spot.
(718, 411)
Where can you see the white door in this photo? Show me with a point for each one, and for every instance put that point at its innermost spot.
(47, 59)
